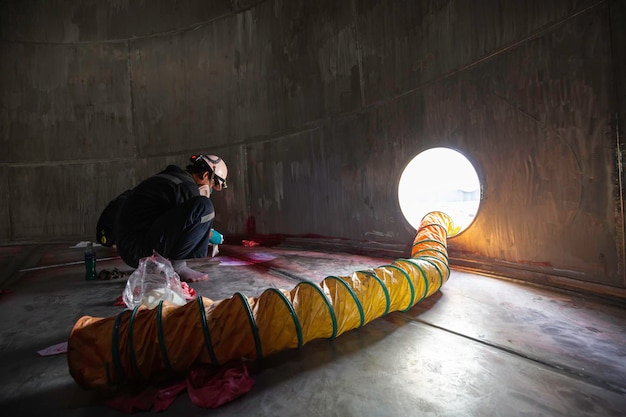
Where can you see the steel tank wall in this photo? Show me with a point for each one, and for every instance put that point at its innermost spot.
(317, 107)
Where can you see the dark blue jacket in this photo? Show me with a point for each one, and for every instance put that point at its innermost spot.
(152, 198)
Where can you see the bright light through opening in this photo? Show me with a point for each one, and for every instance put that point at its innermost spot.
(440, 179)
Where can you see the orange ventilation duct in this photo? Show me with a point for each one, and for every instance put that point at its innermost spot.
(149, 345)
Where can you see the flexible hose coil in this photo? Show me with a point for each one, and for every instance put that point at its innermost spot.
(147, 345)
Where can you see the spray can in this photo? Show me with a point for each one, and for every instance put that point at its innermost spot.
(90, 262)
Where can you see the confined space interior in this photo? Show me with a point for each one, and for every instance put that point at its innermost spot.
(479, 345)
(453, 187)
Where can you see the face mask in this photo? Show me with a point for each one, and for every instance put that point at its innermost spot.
(205, 190)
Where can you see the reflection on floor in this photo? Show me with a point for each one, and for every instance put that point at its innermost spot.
(480, 347)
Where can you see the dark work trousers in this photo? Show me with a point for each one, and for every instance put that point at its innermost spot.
(180, 233)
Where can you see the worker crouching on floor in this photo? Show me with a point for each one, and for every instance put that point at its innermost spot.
(171, 213)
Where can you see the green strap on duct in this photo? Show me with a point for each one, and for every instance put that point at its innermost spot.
(294, 317)
(422, 273)
(131, 345)
(115, 354)
(253, 326)
(431, 241)
(161, 337)
(383, 286)
(408, 280)
(331, 311)
(354, 297)
(205, 331)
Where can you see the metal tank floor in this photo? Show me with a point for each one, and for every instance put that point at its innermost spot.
(481, 346)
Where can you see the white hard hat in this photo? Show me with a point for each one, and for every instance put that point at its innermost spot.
(214, 164)
(217, 164)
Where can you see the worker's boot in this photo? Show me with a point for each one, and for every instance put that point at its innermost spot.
(187, 274)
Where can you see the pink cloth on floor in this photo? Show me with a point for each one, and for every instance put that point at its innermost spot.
(205, 388)
(209, 391)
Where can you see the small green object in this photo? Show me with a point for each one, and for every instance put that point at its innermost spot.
(90, 263)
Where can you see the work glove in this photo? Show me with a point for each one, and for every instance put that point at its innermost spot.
(216, 237)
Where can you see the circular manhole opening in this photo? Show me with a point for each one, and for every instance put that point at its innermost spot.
(440, 179)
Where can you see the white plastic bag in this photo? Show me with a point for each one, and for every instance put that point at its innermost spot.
(154, 280)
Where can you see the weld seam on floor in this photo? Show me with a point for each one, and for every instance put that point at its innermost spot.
(36, 268)
(584, 377)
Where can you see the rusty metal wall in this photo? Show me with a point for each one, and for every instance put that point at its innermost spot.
(317, 107)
